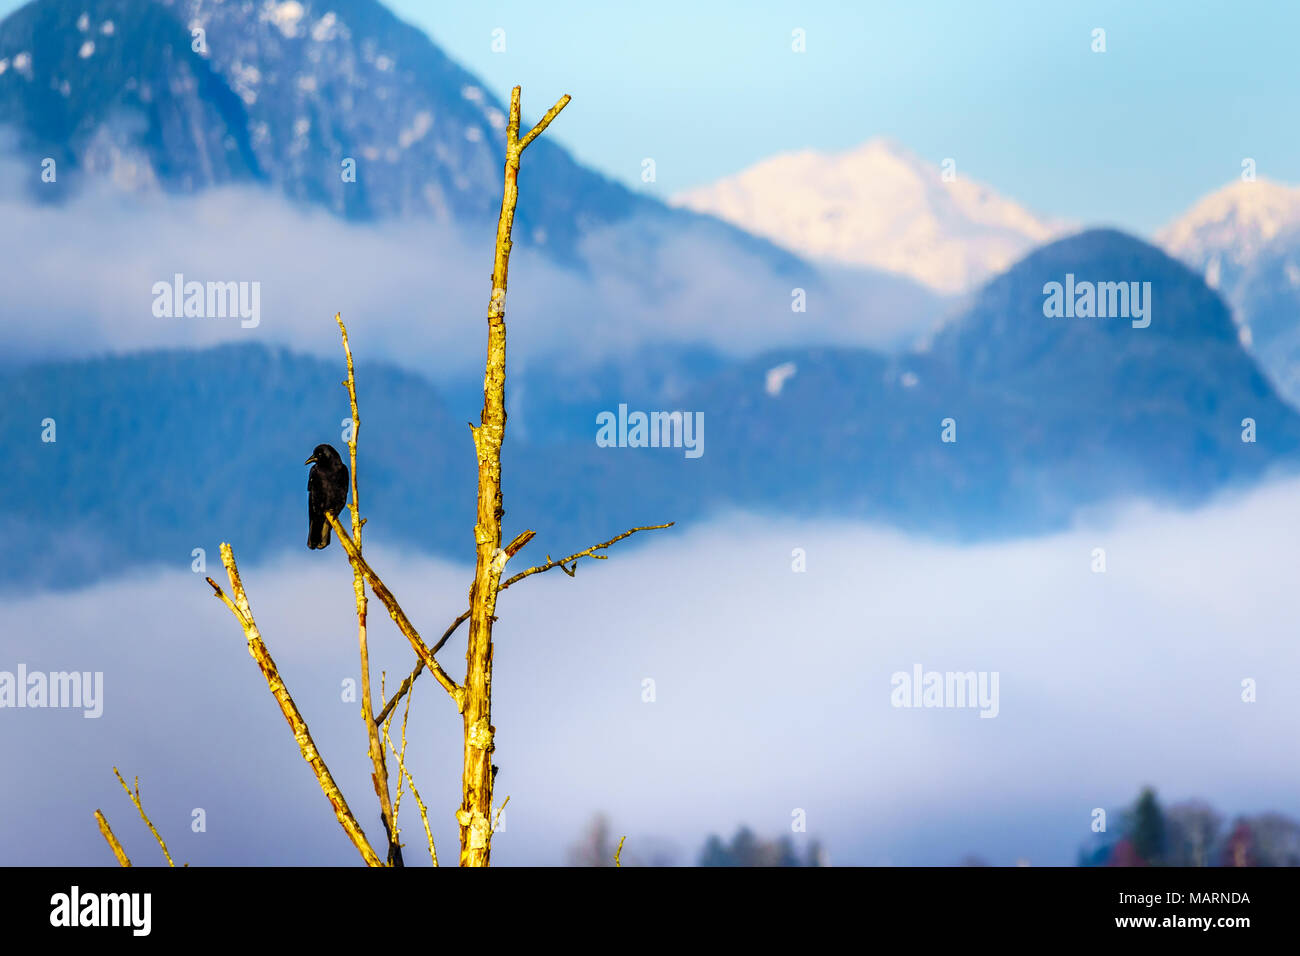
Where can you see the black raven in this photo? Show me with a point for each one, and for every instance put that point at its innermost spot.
(327, 490)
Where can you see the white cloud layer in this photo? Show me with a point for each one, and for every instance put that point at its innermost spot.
(772, 693)
(79, 281)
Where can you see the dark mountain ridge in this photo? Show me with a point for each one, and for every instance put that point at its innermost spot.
(162, 452)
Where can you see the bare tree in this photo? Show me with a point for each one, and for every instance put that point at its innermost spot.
(472, 697)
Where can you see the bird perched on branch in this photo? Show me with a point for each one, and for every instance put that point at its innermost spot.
(327, 490)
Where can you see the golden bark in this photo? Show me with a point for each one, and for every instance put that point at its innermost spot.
(105, 829)
(404, 773)
(474, 698)
(378, 758)
(475, 811)
(397, 614)
(135, 798)
(244, 615)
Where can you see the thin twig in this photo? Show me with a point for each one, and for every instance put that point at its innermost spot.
(388, 741)
(105, 829)
(619, 852)
(410, 781)
(424, 817)
(244, 615)
(135, 798)
(586, 553)
(500, 810)
(447, 633)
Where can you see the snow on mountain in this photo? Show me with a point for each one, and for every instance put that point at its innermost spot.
(1245, 240)
(880, 206)
(1223, 233)
(330, 103)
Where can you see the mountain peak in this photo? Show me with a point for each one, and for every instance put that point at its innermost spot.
(1225, 230)
(877, 205)
(1144, 308)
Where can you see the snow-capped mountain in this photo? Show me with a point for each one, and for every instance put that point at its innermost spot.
(1245, 240)
(880, 206)
(1223, 233)
(331, 102)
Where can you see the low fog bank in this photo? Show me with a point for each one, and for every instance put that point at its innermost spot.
(80, 278)
(772, 693)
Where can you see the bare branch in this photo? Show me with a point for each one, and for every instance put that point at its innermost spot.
(516, 545)
(244, 615)
(384, 731)
(135, 798)
(419, 667)
(402, 688)
(489, 558)
(496, 822)
(586, 553)
(397, 614)
(544, 122)
(105, 829)
(419, 664)
(375, 748)
(401, 770)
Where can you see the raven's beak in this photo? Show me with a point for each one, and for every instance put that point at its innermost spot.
(309, 460)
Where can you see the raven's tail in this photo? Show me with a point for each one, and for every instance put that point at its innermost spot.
(318, 535)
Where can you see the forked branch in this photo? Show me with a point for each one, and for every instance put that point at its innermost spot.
(135, 798)
(562, 563)
(397, 614)
(585, 553)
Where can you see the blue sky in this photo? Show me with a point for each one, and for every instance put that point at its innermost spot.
(1011, 90)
